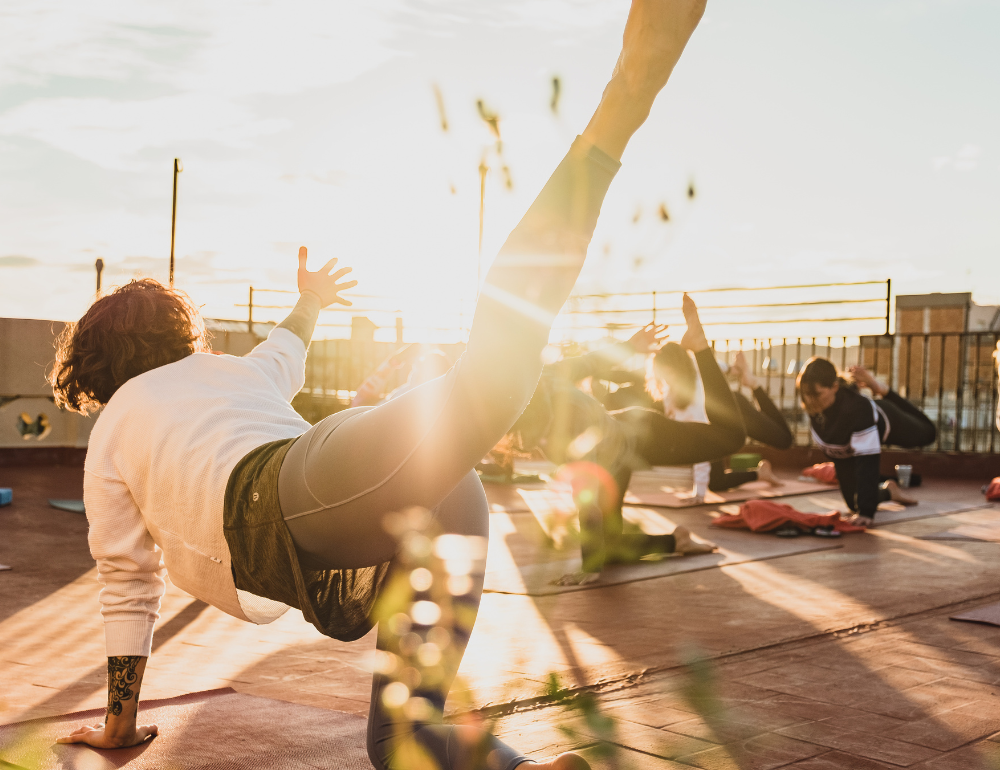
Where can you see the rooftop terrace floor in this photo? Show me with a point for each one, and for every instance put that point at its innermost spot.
(841, 658)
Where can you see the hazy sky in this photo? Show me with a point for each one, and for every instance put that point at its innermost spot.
(848, 140)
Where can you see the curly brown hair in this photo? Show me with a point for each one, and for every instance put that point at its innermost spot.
(138, 327)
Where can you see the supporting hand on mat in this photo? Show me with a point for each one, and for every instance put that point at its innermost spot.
(119, 730)
(323, 283)
(101, 737)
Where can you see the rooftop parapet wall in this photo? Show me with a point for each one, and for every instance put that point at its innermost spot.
(28, 416)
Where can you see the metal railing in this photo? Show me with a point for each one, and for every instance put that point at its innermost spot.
(950, 376)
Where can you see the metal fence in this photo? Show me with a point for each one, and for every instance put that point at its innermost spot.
(951, 377)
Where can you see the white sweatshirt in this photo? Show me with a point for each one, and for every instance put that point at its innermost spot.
(157, 467)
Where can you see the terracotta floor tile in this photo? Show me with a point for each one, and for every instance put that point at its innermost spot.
(806, 710)
(660, 743)
(988, 673)
(838, 760)
(983, 756)
(624, 759)
(882, 749)
(943, 653)
(855, 720)
(722, 730)
(761, 753)
(947, 730)
(655, 714)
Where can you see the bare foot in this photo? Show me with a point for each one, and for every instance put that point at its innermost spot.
(686, 545)
(694, 338)
(864, 378)
(577, 579)
(568, 761)
(737, 367)
(898, 495)
(766, 473)
(741, 371)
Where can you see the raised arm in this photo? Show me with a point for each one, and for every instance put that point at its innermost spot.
(280, 356)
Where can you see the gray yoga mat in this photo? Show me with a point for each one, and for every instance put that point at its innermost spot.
(974, 533)
(988, 614)
(522, 560)
(214, 730)
(888, 513)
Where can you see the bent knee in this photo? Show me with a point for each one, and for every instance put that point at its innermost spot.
(464, 511)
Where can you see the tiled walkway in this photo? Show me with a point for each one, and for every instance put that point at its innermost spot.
(836, 659)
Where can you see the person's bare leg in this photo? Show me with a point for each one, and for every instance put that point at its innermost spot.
(766, 473)
(686, 545)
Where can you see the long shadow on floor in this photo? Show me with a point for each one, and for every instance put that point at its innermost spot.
(45, 548)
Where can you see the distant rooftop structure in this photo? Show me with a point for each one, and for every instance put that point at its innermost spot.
(938, 313)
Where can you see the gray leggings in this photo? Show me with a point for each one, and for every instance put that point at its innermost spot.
(343, 476)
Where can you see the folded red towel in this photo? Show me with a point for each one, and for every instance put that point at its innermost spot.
(766, 516)
(822, 472)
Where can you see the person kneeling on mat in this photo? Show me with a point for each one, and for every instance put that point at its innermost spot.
(851, 428)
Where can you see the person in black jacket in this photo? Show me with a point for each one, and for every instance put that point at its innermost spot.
(851, 428)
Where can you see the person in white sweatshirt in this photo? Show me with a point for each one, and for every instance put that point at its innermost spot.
(198, 466)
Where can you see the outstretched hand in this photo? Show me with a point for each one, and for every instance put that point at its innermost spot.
(323, 283)
(98, 737)
(648, 338)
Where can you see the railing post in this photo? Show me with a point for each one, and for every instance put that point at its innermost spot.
(888, 302)
(250, 312)
(960, 391)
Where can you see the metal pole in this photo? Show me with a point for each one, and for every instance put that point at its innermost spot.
(654, 307)
(99, 265)
(250, 312)
(888, 302)
(178, 168)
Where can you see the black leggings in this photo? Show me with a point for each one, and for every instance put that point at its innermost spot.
(343, 477)
(858, 476)
(764, 423)
(653, 439)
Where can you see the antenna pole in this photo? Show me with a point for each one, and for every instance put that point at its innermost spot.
(178, 168)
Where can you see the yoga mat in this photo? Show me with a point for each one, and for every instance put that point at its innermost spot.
(988, 614)
(981, 533)
(211, 730)
(520, 562)
(648, 491)
(73, 506)
(888, 513)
